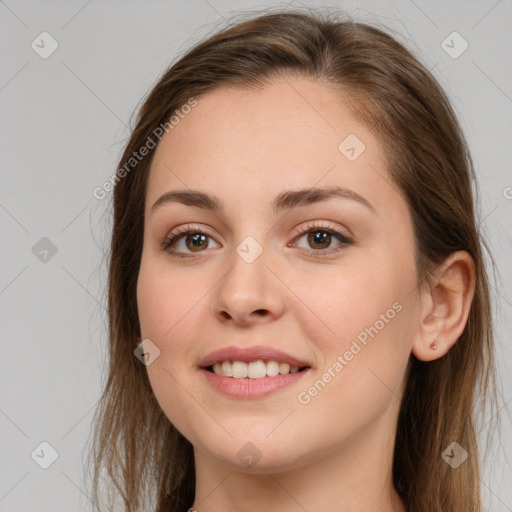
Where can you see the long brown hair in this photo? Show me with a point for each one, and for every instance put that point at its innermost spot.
(136, 448)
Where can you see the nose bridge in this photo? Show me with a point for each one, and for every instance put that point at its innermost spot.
(247, 290)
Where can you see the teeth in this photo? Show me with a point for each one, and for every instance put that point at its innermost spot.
(239, 369)
(272, 368)
(256, 369)
(284, 368)
(253, 370)
(227, 369)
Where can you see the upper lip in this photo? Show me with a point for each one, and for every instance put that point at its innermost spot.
(249, 354)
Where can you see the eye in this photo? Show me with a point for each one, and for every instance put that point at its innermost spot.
(186, 239)
(320, 239)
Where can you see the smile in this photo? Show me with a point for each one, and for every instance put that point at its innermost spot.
(254, 369)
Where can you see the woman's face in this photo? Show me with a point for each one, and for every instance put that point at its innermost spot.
(327, 279)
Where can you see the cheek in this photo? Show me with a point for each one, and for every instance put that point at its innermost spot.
(363, 330)
(165, 299)
(348, 300)
(169, 309)
(361, 374)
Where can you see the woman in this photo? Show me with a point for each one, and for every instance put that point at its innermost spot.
(299, 308)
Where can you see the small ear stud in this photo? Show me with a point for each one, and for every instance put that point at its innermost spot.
(433, 346)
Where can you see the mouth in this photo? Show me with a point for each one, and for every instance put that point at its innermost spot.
(254, 369)
(252, 372)
(242, 380)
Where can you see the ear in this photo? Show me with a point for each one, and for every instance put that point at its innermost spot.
(445, 306)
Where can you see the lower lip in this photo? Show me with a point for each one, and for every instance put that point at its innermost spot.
(251, 388)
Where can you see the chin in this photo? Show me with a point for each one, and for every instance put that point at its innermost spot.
(256, 455)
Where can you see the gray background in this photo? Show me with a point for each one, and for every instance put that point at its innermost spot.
(64, 120)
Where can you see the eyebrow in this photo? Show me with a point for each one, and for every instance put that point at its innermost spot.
(286, 200)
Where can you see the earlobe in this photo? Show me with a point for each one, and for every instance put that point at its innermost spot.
(445, 307)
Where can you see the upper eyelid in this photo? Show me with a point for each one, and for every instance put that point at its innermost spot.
(322, 225)
(303, 229)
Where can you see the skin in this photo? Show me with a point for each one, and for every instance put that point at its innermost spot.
(335, 452)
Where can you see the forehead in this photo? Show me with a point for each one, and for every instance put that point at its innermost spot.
(292, 133)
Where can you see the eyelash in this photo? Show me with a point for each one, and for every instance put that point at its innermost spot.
(329, 229)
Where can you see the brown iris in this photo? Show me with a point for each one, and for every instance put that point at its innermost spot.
(196, 242)
(319, 237)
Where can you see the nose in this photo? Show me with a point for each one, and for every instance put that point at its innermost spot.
(249, 293)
